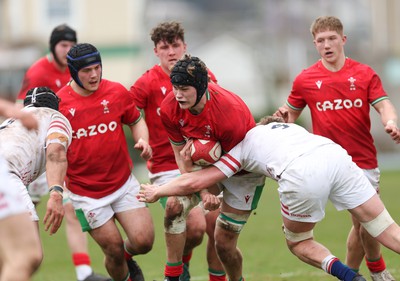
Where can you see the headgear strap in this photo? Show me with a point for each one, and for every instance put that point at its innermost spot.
(81, 56)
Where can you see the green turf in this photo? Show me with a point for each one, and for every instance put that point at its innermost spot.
(261, 242)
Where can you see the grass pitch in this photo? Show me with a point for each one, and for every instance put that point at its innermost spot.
(262, 243)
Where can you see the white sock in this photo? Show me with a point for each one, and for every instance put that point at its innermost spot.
(83, 271)
(327, 262)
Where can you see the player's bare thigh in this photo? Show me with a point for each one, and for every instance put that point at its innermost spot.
(20, 239)
(137, 224)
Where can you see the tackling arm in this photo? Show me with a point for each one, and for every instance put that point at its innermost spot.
(185, 184)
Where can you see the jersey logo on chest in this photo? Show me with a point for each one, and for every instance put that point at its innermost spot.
(105, 103)
(72, 111)
(352, 81)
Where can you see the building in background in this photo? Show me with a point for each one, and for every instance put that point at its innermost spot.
(254, 47)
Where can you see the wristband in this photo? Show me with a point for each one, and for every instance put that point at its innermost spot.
(56, 188)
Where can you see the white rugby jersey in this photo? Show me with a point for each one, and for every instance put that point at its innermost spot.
(269, 149)
(24, 150)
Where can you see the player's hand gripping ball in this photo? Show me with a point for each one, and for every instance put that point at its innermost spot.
(205, 152)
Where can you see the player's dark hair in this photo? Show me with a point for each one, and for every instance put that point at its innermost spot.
(80, 56)
(191, 71)
(41, 97)
(168, 32)
(59, 33)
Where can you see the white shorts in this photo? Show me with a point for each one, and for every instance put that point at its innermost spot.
(326, 173)
(11, 201)
(27, 201)
(373, 175)
(243, 192)
(93, 213)
(163, 177)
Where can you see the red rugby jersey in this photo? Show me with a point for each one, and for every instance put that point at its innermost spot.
(225, 118)
(339, 103)
(149, 91)
(98, 159)
(44, 73)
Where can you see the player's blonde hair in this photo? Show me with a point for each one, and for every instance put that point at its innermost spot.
(326, 23)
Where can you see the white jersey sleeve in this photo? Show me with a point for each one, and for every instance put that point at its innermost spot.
(269, 149)
(25, 151)
(59, 131)
(230, 163)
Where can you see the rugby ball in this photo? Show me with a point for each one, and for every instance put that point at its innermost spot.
(205, 152)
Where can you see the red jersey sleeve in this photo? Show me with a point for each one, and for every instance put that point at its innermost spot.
(376, 91)
(295, 99)
(140, 91)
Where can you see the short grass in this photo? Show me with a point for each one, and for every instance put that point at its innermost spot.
(261, 242)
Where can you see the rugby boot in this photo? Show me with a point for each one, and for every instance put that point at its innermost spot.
(185, 276)
(134, 270)
(166, 278)
(382, 276)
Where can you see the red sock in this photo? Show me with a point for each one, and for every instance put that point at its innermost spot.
(216, 278)
(376, 266)
(216, 275)
(80, 259)
(173, 269)
(187, 258)
(127, 255)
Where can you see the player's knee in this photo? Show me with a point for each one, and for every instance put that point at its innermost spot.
(174, 220)
(113, 248)
(379, 224)
(173, 208)
(144, 247)
(193, 238)
(176, 212)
